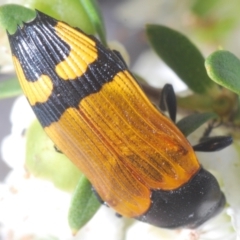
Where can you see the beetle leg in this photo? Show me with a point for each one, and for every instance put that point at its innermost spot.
(213, 124)
(168, 101)
(57, 149)
(212, 144)
(98, 196)
(118, 215)
(102, 202)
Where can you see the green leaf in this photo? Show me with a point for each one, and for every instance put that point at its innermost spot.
(10, 88)
(192, 122)
(43, 161)
(223, 67)
(204, 7)
(12, 15)
(181, 55)
(71, 12)
(83, 206)
(94, 13)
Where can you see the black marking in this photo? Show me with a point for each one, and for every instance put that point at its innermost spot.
(119, 55)
(188, 206)
(39, 49)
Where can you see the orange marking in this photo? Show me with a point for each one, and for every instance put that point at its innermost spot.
(37, 91)
(82, 53)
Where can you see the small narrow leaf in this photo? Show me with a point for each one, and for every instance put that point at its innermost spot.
(95, 16)
(181, 55)
(223, 67)
(83, 206)
(12, 15)
(10, 88)
(192, 122)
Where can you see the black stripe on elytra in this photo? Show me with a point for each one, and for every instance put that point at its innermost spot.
(188, 206)
(39, 49)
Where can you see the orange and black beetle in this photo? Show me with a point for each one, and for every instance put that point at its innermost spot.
(89, 104)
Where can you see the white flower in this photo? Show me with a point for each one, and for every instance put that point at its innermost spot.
(33, 208)
(218, 228)
(156, 72)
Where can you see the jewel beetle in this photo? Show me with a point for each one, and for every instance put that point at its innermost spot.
(90, 105)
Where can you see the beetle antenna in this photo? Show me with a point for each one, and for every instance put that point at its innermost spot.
(212, 144)
(168, 101)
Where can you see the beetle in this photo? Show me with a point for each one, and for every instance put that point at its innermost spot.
(90, 105)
